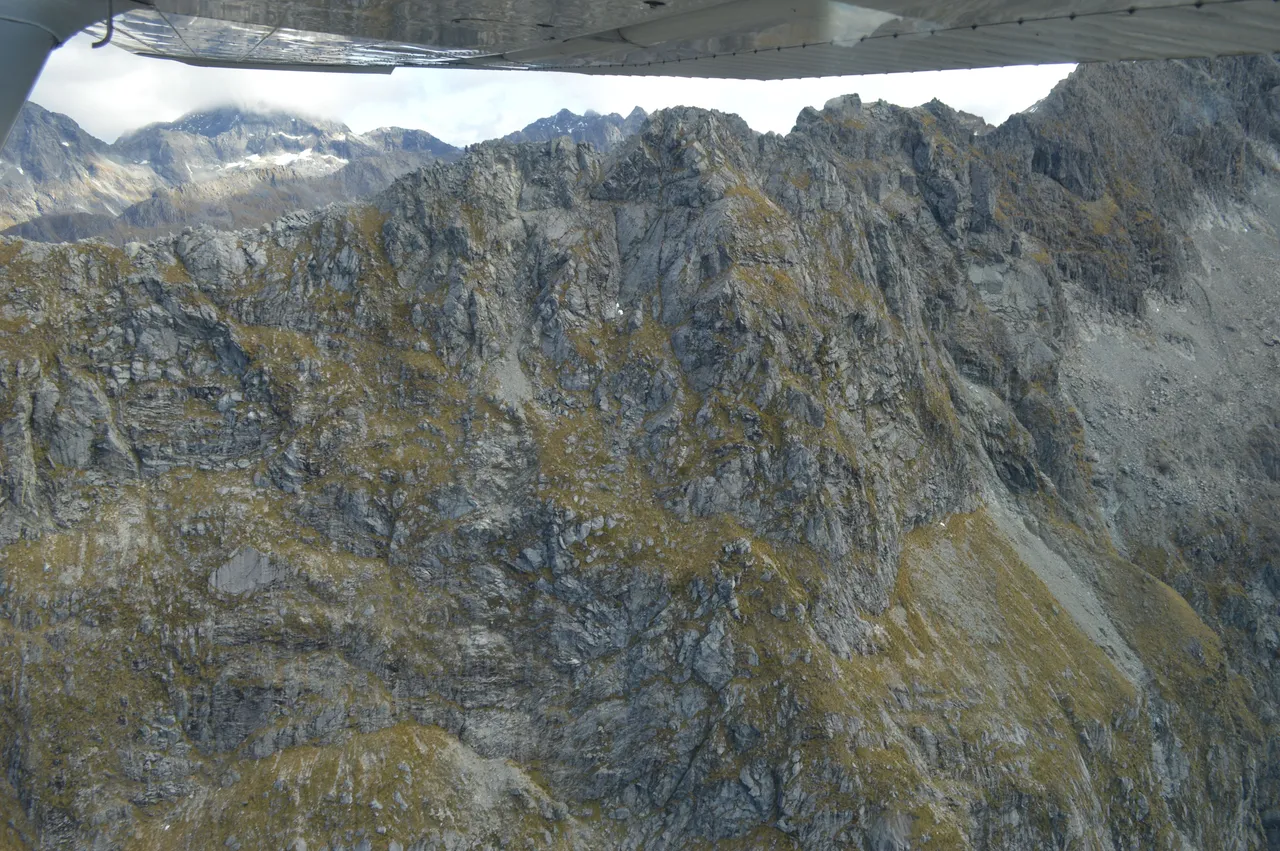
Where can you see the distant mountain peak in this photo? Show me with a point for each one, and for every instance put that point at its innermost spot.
(602, 131)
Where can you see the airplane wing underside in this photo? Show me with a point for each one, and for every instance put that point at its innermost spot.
(743, 39)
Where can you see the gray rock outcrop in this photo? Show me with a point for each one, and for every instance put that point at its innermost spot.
(246, 571)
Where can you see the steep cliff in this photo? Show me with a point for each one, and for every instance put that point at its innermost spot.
(899, 483)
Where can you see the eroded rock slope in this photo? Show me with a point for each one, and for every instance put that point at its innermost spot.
(899, 483)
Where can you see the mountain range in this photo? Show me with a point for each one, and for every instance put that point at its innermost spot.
(227, 167)
(897, 484)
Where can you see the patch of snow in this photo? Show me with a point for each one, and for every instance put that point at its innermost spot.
(288, 136)
(247, 162)
(66, 144)
(286, 158)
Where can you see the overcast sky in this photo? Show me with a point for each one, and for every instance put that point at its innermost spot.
(110, 91)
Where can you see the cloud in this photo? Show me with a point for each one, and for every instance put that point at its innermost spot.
(111, 91)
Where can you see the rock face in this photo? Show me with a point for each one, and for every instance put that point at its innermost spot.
(226, 167)
(248, 570)
(899, 483)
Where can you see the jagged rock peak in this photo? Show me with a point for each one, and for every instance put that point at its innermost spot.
(42, 142)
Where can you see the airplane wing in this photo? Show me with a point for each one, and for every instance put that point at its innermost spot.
(741, 39)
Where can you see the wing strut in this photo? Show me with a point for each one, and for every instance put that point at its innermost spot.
(29, 32)
(23, 50)
(111, 26)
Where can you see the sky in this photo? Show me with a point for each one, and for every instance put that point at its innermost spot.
(110, 91)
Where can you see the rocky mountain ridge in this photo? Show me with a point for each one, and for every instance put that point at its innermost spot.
(225, 167)
(892, 484)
